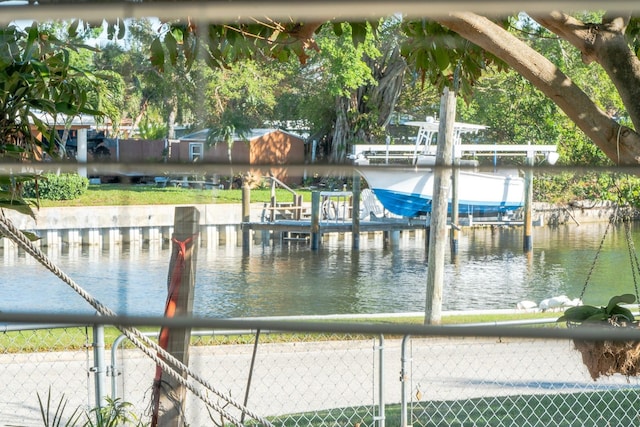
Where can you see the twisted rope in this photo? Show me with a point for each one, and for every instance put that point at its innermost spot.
(159, 355)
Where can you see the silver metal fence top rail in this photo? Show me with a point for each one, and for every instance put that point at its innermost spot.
(230, 11)
(301, 326)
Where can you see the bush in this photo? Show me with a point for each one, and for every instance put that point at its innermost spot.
(67, 186)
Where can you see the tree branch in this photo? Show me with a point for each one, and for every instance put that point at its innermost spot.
(619, 143)
(606, 44)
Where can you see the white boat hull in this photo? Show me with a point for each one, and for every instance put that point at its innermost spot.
(409, 193)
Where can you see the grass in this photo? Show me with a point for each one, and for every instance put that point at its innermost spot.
(125, 194)
(610, 407)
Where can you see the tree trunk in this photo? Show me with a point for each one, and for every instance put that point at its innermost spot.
(377, 99)
(620, 143)
(136, 122)
(389, 72)
(341, 130)
(171, 122)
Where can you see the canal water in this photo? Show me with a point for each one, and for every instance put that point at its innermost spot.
(489, 272)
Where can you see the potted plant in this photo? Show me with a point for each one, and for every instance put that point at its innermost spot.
(606, 357)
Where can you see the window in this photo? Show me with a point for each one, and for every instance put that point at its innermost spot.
(196, 150)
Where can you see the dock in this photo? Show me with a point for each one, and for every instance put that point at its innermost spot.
(304, 226)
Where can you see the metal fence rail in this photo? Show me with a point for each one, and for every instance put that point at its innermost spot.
(480, 375)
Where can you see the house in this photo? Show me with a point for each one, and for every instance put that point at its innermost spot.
(274, 147)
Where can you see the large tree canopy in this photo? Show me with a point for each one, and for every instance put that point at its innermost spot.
(453, 49)
(434, 50)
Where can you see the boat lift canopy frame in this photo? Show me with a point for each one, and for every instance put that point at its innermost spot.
(425, 135)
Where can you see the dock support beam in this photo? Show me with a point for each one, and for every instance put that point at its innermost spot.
(246, 217)
(527, 240)
(355, 212)
(315, 220)
(453, 232)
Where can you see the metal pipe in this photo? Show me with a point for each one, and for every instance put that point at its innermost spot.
(381, 384)
(99, 368)
(403, 381)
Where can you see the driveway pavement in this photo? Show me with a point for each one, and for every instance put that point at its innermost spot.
(299, 377)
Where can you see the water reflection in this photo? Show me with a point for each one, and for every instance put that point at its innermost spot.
(490, 271)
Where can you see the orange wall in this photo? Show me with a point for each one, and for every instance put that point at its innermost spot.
(275, 148)
(278, 148)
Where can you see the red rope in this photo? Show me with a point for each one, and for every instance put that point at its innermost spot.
(175, 282)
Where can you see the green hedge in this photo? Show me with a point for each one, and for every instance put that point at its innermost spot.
(66, 186)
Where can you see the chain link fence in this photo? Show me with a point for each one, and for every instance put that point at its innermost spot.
(48, 363)
(323, 379)
(509, 382)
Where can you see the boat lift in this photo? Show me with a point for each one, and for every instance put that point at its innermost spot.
(426, 146)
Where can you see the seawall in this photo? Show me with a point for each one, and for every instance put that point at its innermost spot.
(220, 224)
(138, 224)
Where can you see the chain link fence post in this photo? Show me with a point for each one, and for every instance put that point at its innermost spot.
(99, 367)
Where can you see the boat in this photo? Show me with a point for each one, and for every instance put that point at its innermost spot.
(408, 191)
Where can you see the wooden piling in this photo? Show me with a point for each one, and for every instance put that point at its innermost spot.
(438, 226)
(355, 212)
(453, 232)
(527, 240)
(169, 394)
(315, 220)
(246, 217)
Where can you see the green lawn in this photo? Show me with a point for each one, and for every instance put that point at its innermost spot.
(123, 194)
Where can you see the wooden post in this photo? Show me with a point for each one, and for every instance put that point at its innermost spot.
(438, 227)
(355, 212)
(246, 218)
(315, 220)
(171, 394)
(527, 241)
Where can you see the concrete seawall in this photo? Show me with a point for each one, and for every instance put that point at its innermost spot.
(575, 213)
(107, 225)
(220, 224)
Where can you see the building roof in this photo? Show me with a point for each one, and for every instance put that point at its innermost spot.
(201, 135)
(79, 121)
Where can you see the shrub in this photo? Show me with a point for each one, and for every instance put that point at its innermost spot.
(67, 186)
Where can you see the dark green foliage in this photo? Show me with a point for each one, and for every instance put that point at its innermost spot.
(613, 312)
(57, 187)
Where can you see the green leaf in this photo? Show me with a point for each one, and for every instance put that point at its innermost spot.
(17, 205)
(442, 58)
(581, 313)
(618, 311)
(620, 299)
(597, 317)
(73, 28)
(157, 54)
